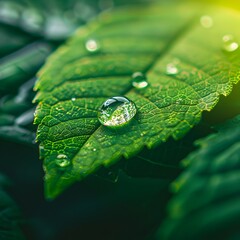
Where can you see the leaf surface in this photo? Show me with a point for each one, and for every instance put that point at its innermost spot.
(24, 28)
(29, 31)
(213, 174)
(150, 39)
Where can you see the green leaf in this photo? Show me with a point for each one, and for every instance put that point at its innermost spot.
(29, 30)
(10, 216)
(144, 39)
(229, 124)
(12, 39)
(206, 204)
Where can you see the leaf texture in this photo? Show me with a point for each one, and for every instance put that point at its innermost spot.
(28, 34)
(75, 82)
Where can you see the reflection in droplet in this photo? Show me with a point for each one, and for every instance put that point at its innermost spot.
(229, 43)
(206, 21)
(62, 160)
(92, 45)
(116, 111)
(139, 80)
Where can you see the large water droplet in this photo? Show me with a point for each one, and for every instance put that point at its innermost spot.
(139, 80)
(62, 160)
(229, 43)
(116, 111)
(206, 21)
(92, 45)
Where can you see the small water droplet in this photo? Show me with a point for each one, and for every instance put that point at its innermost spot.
(206, 21)
(62, 160)
(94, 149)
(229, 43)
(116, 111)
(171, 68)
(73, 99)
(139, 80)
(92, 45)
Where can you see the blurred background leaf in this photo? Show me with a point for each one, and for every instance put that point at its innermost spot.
(10, 217)
(206, 203)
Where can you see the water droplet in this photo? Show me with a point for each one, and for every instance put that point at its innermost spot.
(139, 80)
(92, 45)
(171, 68)
(206, 21)
(229, 43)
(62, 160)
(94, 149)
(116, 111)
(73, 99)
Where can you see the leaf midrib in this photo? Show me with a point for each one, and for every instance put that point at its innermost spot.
(175, 39)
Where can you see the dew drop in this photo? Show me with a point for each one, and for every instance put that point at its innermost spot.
(73, 99)
(229, 43)
(94, 149)
(62, 160)
(116, 111)
(92, 45)
(139, 80)
(171, 69)
(206, 21)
